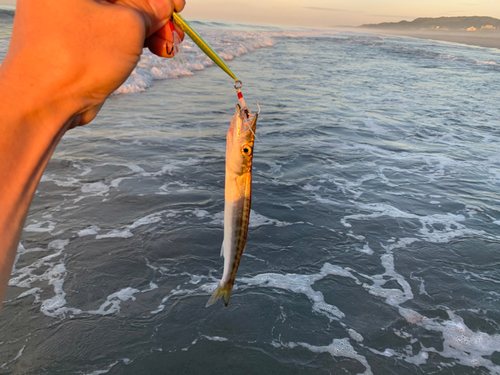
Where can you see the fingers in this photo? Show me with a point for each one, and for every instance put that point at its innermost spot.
(156, 13)
(161, 43)
(163, 9)
(159, 46)
(162, 12)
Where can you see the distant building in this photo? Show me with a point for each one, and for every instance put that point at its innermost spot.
(472, 28)
(439, 28)
(488, 27)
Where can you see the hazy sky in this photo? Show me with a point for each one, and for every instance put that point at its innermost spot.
(324, 13)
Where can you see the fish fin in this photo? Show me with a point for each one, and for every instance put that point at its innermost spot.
(222, 249)
(222, 291)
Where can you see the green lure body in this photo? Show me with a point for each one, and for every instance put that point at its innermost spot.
(205, 47)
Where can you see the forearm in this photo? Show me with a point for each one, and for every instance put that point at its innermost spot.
(32, 123)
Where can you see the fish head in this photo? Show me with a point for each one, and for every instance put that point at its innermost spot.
(240, 141)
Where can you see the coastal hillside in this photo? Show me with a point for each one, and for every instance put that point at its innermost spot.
(442, 23)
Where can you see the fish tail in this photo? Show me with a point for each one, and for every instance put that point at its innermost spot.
(223, 291)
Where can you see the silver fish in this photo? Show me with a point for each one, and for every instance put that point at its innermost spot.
(239, 154)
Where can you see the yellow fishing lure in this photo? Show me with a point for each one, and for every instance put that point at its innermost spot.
(205, 47)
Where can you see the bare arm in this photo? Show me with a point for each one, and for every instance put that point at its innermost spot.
(65, 58)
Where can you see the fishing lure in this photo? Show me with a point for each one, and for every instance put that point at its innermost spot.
(200, 42)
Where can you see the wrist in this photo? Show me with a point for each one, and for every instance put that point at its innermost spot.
(32, 98)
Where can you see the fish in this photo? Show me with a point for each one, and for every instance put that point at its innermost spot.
(237, 197)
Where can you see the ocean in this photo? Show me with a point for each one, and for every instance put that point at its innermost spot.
(374, 240)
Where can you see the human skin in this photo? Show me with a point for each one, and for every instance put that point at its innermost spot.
(65, 58)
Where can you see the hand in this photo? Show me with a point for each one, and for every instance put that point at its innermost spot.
(85, 49)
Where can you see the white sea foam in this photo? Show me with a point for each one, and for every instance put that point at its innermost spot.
(229, 45)
(302, 284)
(117, 181)
(460, 343)
(85, 169)
(338, 348)
(126, 233)
(43, 226)
(113, 301)
(126, 361)
(467, 347)
(171, 165)
(19, 354)
(451, 222)
(182, 292)
(115, 233)
(152, 286)
(89, 231)
(32, 292)
(215, 338)
(54, 276)
(256, 220)
(355, 335)
(95, 188)
(366, 249)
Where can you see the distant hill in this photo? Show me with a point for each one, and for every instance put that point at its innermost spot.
(442, 23)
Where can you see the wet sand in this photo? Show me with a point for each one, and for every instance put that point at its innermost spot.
(474, 38)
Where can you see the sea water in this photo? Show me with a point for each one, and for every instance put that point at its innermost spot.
(374, 240)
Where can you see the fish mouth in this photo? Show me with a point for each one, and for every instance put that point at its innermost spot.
(249, 120)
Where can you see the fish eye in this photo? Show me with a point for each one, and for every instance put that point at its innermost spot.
(246, 150)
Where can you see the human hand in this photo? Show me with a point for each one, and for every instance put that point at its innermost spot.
(80, 51)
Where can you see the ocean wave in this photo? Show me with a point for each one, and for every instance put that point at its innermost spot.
(229, 45)
(442, 54)
(6, 14)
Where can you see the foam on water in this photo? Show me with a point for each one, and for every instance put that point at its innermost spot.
(113, 301)
(229, 45)
(19, 354)
(126, 361)
(302, 284)
(126, 233)
(460, 343)
(338, 348)
(451, 222)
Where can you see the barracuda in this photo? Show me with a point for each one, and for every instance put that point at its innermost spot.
(238, 189)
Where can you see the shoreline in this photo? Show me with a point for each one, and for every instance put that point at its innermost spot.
(477, 38)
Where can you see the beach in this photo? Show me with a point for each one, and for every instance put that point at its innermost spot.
(489, 39)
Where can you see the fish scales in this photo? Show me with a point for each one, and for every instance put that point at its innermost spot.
(238, 188)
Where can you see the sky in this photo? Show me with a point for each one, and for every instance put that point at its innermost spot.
(327, 13)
